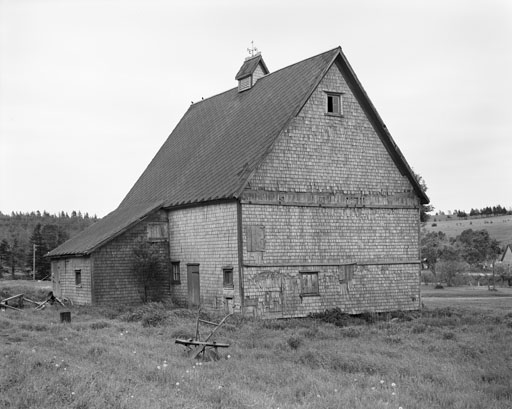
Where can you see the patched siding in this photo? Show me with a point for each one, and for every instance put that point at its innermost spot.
(329, 196)
(206, 235)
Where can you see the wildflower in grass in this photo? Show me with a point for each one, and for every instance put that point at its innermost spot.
(393, 384)
(158, 367)
(229, 356)
(373, 388)
(72, 393)
(381, 381)
(165, 365)
(393, 393)
(177, 384)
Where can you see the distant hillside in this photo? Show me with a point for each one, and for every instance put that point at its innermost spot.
(499, 227)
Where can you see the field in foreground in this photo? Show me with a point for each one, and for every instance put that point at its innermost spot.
(443, 357)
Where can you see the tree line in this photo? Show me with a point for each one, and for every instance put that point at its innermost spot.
(485, 211)
(22, 233)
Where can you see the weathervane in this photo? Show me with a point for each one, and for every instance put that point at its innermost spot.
(253, 50)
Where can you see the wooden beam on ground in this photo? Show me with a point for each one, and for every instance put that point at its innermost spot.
(3, 305)
(12, 298)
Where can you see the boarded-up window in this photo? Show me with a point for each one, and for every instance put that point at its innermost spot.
(175, 272)
(346, 273)
(78, 277)
(228, 277)
(309, 283)
(255, 238)
(157, 231)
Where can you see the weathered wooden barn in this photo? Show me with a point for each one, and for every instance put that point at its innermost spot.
(283, 196)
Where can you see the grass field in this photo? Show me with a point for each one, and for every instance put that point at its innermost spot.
(448, 356)
(499, 228)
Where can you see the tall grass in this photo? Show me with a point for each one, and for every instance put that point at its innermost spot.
(126, 358)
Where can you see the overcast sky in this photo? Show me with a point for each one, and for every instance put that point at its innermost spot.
(90, 90)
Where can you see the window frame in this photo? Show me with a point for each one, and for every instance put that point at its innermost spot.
(161, 227)
(315, 288)
(347, 274)
(78, 277)
(175, 272)
(227, 272)
(330, 95)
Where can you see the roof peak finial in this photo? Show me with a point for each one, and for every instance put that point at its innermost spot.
(253, 50)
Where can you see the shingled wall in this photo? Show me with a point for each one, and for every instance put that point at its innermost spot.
(206, 235)
(329, 194)
(113, 277)
(64, 281)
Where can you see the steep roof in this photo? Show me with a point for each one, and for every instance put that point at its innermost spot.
(220, 141)
(508, 250)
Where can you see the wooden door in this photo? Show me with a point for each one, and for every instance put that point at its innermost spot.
(193, 285)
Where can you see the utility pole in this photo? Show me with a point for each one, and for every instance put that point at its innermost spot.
(34, 262)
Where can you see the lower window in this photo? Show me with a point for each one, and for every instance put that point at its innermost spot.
(175, 278)
(228, 277)
(78, 277)
(309, 283)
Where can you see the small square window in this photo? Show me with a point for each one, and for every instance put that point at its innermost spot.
(78, 277)
(228, 277)
(309, 283)
(157, 231)
(334, 104)
(175, 273)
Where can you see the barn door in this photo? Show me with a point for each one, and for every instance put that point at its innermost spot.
(193, 284)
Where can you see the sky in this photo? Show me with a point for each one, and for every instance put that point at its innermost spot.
(90, 90)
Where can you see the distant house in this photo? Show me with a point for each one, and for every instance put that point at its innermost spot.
(506, 257)
(283, 196)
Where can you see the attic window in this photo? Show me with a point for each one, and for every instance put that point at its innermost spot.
(334, 104)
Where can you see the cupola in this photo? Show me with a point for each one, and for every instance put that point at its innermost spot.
(251, 71)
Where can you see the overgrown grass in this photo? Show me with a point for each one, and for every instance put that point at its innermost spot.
(125, 357)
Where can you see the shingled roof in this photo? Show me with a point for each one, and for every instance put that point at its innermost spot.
(104, 230)
(220, 141)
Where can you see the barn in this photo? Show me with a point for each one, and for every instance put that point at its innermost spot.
(283, 196)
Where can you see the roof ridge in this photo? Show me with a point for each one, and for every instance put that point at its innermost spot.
(302, 61)
(267, 75)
